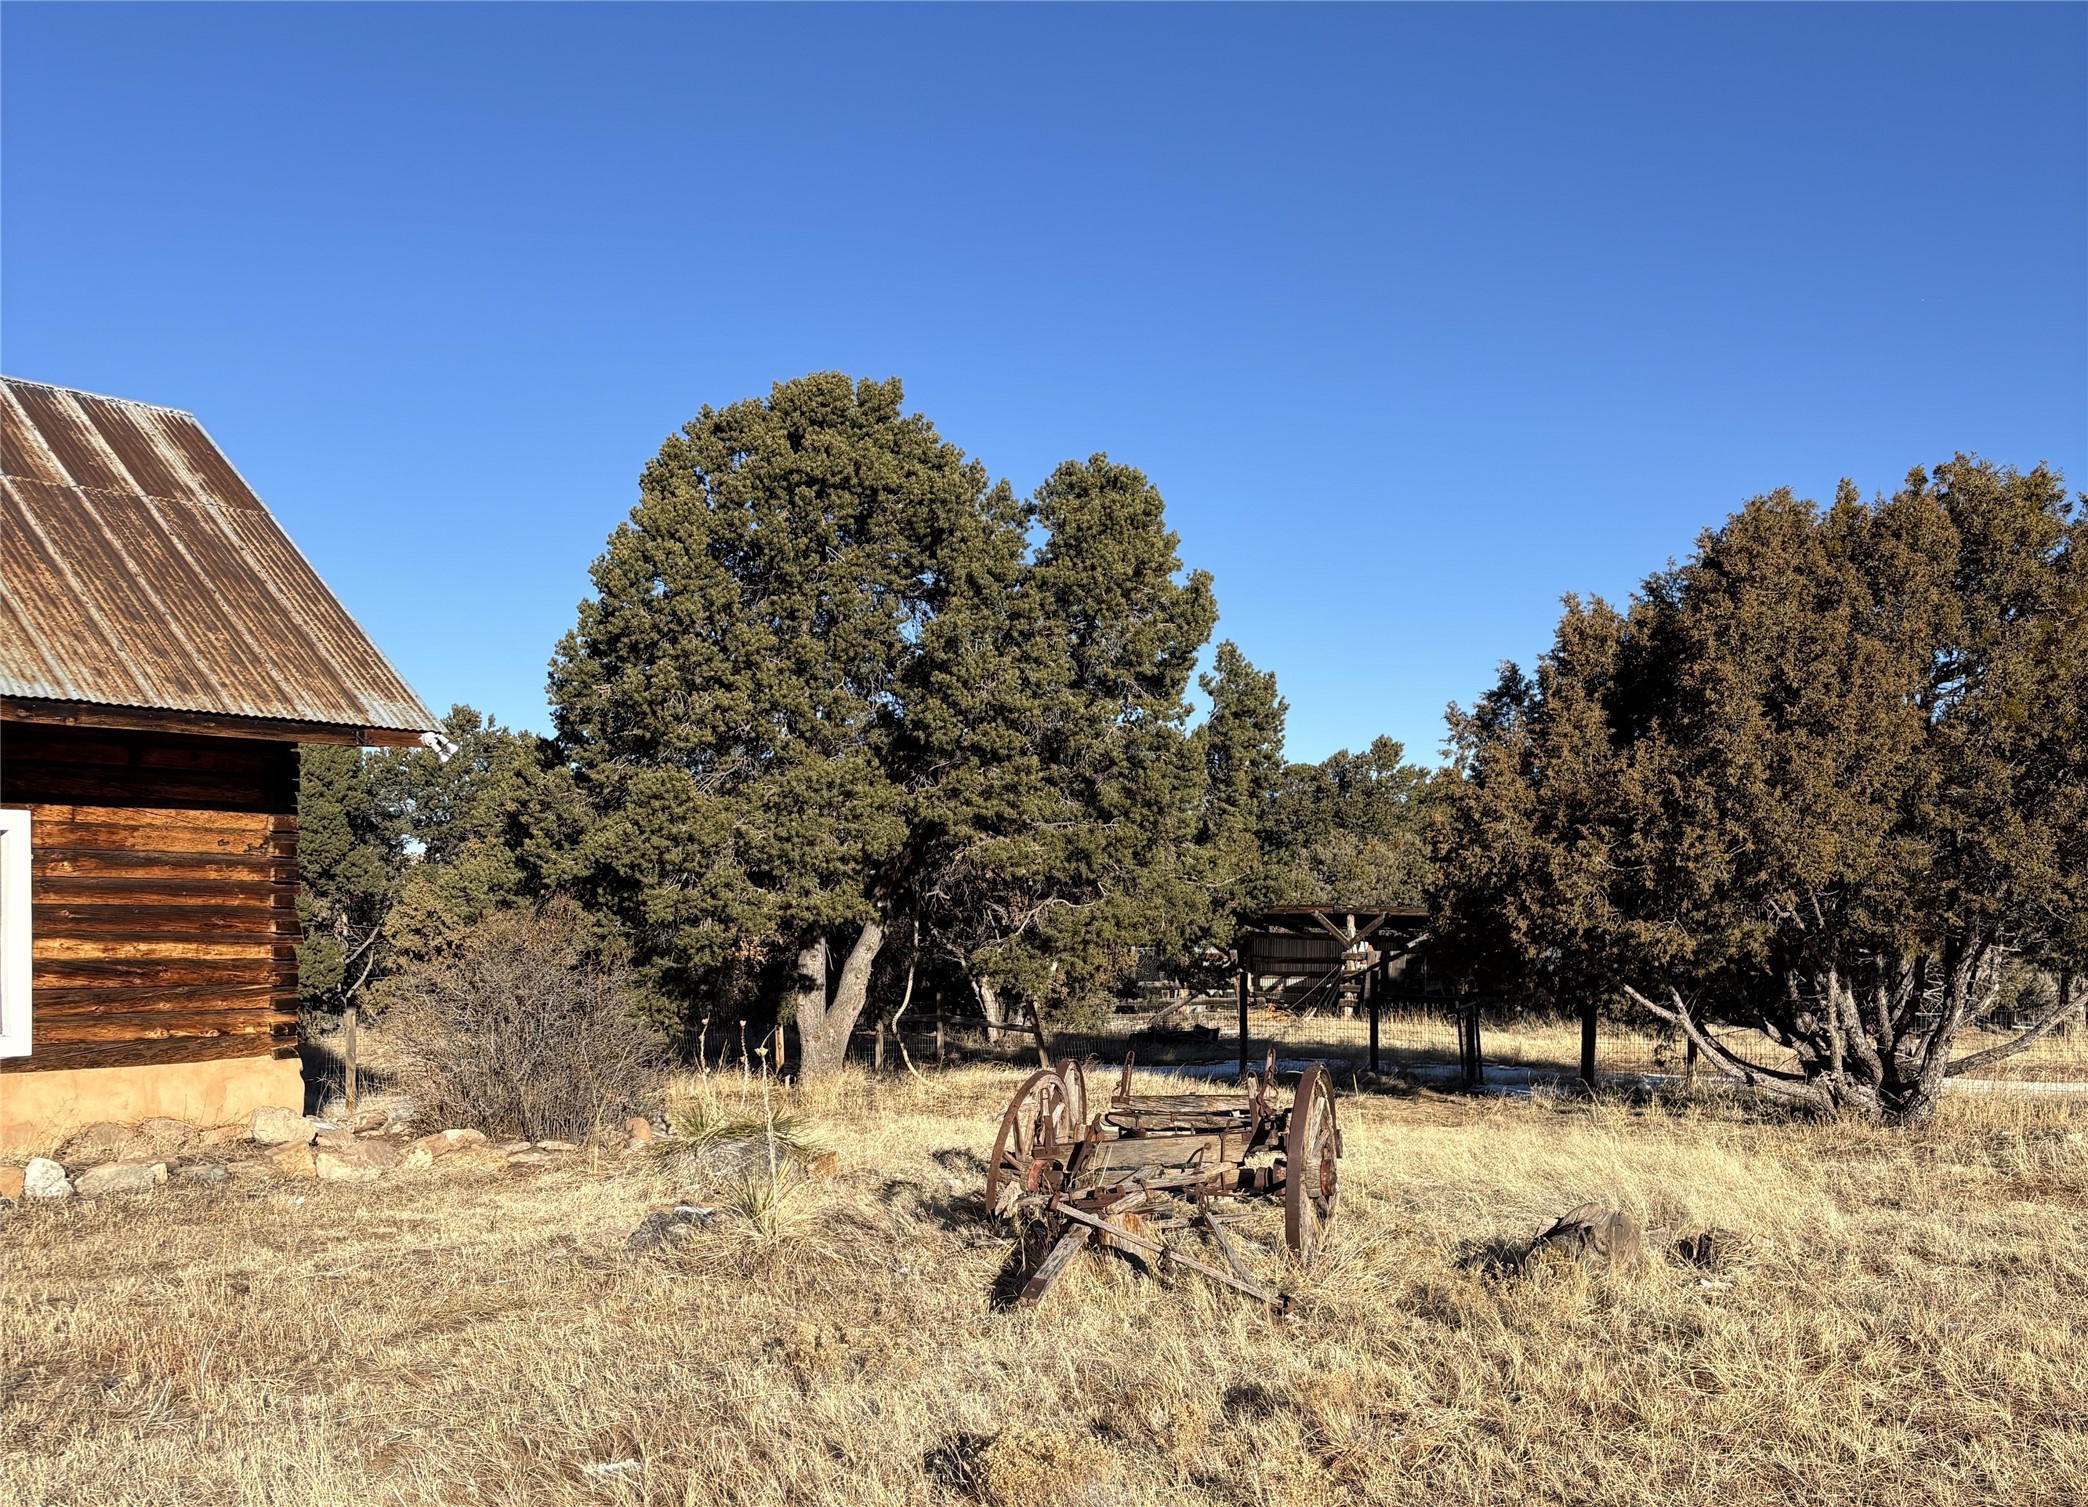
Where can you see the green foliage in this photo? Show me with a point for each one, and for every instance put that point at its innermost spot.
(401, 851)
(1349, 830)
(1096, 850)
(1827, 776)
(729, 697)
(346, 843)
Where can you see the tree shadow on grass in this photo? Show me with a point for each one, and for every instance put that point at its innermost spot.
(326, 1074)
(1492, 1256)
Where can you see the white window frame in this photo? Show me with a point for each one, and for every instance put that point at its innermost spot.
(14, 933)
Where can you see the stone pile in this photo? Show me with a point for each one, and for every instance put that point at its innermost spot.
(107, 1159)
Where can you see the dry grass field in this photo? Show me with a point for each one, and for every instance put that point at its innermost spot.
(1908, 1323)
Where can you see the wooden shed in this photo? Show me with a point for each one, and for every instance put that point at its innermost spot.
(164, 649)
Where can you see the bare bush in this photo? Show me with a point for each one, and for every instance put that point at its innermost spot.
(524, 1029)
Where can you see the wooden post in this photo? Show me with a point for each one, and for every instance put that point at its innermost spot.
(349, 1086)
(1243, 1018)
(780, 1034)
(1588, 1043)
(877, 1054)
(938, 1032)
(1689, 1059)
(1037, 1028)
(1370, 987)
(1478, 1048)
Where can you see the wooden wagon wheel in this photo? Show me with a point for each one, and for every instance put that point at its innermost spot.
(1309, 1175)
(1038, 1116)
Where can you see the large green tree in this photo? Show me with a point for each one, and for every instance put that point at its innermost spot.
(1826, 778)
(729, 699)
(1088, 846)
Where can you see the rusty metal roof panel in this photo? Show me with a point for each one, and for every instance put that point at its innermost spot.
(142, 571)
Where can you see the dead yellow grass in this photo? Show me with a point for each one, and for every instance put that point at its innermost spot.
(1909, 1324)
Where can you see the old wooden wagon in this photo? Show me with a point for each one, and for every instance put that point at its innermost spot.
(1146, 1173)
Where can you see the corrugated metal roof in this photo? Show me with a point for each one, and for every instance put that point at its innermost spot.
(138, 569)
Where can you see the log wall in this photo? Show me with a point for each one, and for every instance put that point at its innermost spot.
(163, 891)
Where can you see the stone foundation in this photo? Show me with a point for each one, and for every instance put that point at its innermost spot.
(39, 1109)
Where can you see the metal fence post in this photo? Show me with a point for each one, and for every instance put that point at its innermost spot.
(1243, 1019)
(1370, 986)
(1588, 1043)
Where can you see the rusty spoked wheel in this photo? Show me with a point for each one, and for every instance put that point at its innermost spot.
(1311, 1151)
(1039, 1121)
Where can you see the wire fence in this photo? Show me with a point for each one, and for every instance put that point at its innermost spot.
(1438, 1042)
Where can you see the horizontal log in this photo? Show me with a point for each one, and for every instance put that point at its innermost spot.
(163, 889)
(106, 999)
(71, 918)
(137, 838)
(99, 972)
(223, 793)
(45, 743)
(276, 868)
(155, 817)
(60, 1055)
(160, 1026)
(170, 948)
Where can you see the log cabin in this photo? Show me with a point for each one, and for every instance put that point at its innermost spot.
(164, 651)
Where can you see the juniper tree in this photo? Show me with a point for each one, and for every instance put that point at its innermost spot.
(1827, 777)
(729, 697)
(403, 848)
(1349, 830)
(1241, 743)
(1086, 847)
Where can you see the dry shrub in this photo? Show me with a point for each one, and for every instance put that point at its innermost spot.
(526, 1030)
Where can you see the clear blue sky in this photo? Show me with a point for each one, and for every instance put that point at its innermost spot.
(1419, 317)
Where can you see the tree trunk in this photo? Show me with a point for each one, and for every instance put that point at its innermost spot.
(824, 1022)
(991, 1006)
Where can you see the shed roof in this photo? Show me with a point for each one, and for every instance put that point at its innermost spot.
(137, 569)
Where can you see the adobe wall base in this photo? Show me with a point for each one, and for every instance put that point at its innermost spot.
(39, 1109)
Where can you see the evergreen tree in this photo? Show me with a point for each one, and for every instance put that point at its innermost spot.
(1827, 777)
(729, 697)
(1241, 741)
(347, 871)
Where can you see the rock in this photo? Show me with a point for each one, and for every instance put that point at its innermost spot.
(1602, 1240)
(295, 1160)
(11, 1181)
(672, 1227)
(638, 1129)
(206, 1174)
(354, 1161)
(167, 1134)
(511, 1147)
(224, 1135)
(276, 1126)
(103, 1141)
(430, 1149)
(529, 1158)
(556, 1146)
(443, 1142)
(121, 1177)
(1714, 1249)
(44, 1178)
